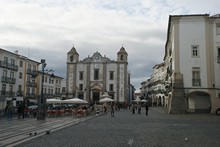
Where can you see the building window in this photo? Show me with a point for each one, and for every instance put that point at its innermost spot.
(4, 73)
(96, 74)
(218, 57)
(21, 63)
(111, 75)
(81, 75)
(20, 75)
(12, 61)
(11, 74)
(45, 80)
(33, 91)
(29, 66)
(111, 87)
(5, 59)
(195, 51)
(71, 58)
(196, 81)
(34, 68)
(218, 29)
(80, 87)
(3, 89)
(122, 57)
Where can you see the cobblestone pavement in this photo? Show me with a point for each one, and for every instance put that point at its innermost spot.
(158, 129)
(17, 131)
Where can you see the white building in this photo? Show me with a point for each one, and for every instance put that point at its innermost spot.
(157, 86)
(90, 78)
(192, 54)
(20, 79)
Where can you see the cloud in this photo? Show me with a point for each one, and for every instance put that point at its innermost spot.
(49, 28)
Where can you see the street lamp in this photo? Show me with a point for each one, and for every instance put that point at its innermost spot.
(41, 100)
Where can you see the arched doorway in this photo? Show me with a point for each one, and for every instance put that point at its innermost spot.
(96, 92)
(96, 95)
(199, 102)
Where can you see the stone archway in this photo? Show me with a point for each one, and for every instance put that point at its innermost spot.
(199, 102)
(96, 92)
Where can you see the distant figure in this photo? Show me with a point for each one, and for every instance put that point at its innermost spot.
(139, 109)
(105, 109)
(10, 111)
(133, 108)
(147, 108)
(112, 110)
(20, 107)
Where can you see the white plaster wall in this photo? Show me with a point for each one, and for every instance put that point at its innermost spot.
(81, 67)
(96, 66)
(121, 83)
(216, 45)
(192, 32)
(111, 67)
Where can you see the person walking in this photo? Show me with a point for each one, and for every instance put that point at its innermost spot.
(139, 109)
(20, 110)
(147, 108)
(10, 111)
(133, 108)
(112, 110)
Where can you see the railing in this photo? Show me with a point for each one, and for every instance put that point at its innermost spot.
(8, 80)
(8, 65)
(20, 93)
(32, 72)
(196, 82)
(30, 84)
(7, 93)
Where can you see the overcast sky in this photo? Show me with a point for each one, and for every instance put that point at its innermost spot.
(47, 29)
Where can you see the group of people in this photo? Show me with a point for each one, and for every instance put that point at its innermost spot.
(138, 108)
(10, 110)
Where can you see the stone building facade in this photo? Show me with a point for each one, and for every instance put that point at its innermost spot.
(89, 78)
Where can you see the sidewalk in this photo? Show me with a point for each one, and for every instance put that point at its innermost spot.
(16, 131)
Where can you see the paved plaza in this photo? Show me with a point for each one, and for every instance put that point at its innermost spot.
(158, 129)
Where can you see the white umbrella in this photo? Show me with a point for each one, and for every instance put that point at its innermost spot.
(136, 100)
(75, 101)
(144, 101)
(53, 101)
(106, 100)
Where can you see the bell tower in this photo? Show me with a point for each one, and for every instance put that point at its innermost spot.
(72, 56)
(72, 60)
(122, 55)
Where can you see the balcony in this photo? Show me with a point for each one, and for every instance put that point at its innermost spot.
(7, 93)
(8, 65)
(8, 80)
(32, 72)
(20, 93)
(30, 84)
(196, 82)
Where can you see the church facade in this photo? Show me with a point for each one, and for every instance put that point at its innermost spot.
(91, 77)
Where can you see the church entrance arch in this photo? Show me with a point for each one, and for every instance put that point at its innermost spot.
(96, 92)
(96, 95)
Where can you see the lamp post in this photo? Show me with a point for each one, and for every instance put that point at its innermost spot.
(41, 100)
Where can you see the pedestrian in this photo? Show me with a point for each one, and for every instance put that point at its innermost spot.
(10, 111)
(147, 108)
(105, 109)
(20, 110)
(133, 108)
(139, 109)
(112, 110)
